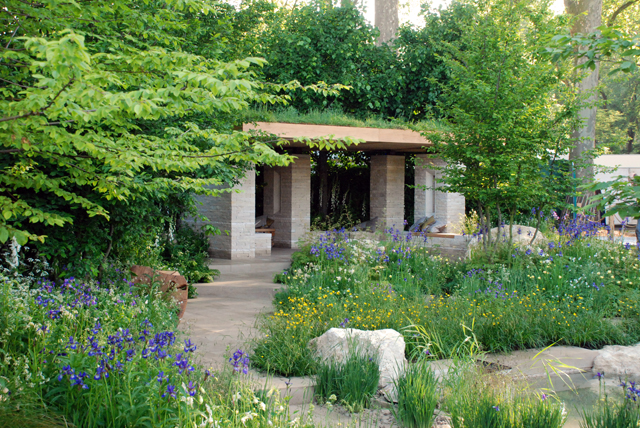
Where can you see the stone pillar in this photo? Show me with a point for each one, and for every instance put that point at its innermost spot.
(447, 207)
(424, 199)
(387, 191)
(287, 200)
(233, 213)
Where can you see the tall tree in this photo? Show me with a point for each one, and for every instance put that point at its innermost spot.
(588, 17)
(510, 112)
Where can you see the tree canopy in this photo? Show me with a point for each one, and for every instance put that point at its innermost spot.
(510, 111)
(118, 109)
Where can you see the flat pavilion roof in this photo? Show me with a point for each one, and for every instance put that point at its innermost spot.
(375, 139)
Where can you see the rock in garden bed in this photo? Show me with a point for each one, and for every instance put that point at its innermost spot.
(336, 342)
(619, 362)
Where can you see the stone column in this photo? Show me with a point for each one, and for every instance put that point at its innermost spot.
(387, 191)
(447, 207)
(233, 213)
(424, 199)
(287, 200)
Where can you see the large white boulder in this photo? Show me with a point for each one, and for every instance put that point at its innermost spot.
(335, 344)
(619, 362)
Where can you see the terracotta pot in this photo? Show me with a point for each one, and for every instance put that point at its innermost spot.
(180, 296)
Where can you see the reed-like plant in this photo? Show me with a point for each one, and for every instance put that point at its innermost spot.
(353, 381)
(417, 389)
(618, 412)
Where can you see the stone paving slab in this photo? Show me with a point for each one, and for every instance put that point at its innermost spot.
(223, 315)
(538, 363)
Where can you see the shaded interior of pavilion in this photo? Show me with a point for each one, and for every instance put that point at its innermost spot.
(285, 194)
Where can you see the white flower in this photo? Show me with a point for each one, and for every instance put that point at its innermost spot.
(263, 407)
(247, 417)
(236, 396)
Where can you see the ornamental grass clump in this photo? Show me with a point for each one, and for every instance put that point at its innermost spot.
(352, 381)
(478, 400)
(619, 412)
(417, 389)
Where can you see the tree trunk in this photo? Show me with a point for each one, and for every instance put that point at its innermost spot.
(323, 175)
(632, 137)
(386, 20)
(585, 135)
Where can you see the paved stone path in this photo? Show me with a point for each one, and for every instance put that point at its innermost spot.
(223, 315)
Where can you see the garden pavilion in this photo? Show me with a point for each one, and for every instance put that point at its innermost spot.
(287, 191)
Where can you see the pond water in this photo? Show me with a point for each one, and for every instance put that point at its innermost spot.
(580, 399)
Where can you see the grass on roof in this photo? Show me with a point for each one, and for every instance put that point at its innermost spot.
(336, 118)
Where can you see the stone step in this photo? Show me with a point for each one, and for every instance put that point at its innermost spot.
(248, 268)
(299, 390)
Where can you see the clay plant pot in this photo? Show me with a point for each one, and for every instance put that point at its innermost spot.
(181, 295)
(171, 283)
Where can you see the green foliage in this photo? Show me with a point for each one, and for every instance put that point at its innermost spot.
(620, 196)
(312, 44)
(618, 126)
(417, 389)
(607, 42)
(420, 54)
(331, 45)
(353, 381)
(509, 110)
(187, 253)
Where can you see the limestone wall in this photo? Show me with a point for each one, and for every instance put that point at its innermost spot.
(387, 191)
(448, 207)
(287, 200)
(233, 213)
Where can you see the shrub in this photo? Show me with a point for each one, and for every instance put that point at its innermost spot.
(353, 381)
